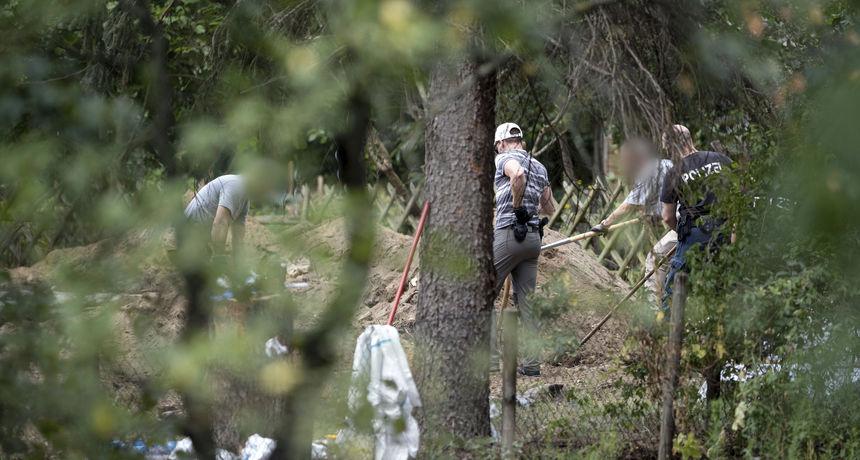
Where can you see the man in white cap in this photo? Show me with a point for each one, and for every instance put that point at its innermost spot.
(522, 194)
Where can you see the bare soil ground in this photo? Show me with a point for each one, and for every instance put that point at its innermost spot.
(156, 299)
(592, 289)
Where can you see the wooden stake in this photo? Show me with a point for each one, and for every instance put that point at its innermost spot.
(509, 382)
(291, 182)
(412, 200)
(574, 204)
(673, 362)
(613, 238)
(374, 192)
(630, 255)
(382, 158)
(606, 209)
(506, 294)
(580, 213)
(384, 216)
(561, 206)
(306, 201)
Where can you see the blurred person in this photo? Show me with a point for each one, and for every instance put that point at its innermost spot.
(688, 195)
(522, 194)
(221, 206)
(639, 162)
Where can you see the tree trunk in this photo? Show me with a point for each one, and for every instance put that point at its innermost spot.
(160, 88)
(456, 296)
(113, 49)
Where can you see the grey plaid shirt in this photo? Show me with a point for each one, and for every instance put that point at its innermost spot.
(646, 191)
(538, 180)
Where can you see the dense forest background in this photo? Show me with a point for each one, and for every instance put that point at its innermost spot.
(112, 111)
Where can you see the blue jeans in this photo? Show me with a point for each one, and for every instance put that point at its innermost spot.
(697, 236)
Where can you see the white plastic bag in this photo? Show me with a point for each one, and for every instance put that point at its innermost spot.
(183, 446)
(381, 377)
(257, 448)
(274, 348)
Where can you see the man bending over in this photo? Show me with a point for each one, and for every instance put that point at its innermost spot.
(221, 205)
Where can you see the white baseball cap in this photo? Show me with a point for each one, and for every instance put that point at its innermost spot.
(507, 131)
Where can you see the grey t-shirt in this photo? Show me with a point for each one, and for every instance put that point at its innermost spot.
(646, 191)
(227, 191)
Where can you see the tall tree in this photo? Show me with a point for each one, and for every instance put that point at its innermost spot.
(454, 303)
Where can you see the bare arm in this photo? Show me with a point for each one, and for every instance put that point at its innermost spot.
(547, 202)
(621, 210)
(220, 225)
(518, 181)
(669, 217)
(238, 236)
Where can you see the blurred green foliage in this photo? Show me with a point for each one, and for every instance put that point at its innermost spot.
(85, 118)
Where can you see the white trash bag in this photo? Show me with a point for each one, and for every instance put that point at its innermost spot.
(257, 448)
(381, 377)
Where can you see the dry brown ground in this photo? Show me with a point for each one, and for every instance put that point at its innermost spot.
(591, 286)
(156, 297)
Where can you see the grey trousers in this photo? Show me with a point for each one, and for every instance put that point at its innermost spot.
(520, 260)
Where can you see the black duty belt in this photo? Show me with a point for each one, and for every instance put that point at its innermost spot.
(532, 228)
(708, 224)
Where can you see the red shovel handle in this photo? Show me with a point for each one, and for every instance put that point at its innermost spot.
(424, 212)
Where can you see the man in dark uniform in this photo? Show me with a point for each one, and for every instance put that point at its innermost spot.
(688, 196)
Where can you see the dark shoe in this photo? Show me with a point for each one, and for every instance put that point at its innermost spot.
(529, 371)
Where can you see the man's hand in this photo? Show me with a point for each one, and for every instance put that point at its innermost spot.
(600, 229)
(522, 215)
(669, 217)
(220, 226)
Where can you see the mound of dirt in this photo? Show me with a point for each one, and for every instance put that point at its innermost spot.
(594, 289)
(389, 255)
(156, 302)
(587, 279)
(591, 287)
(85, 258)
(579, 263)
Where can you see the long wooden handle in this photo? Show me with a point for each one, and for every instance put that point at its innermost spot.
(587, 234)
(628, 295)
(421, 221)
(506, 294)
